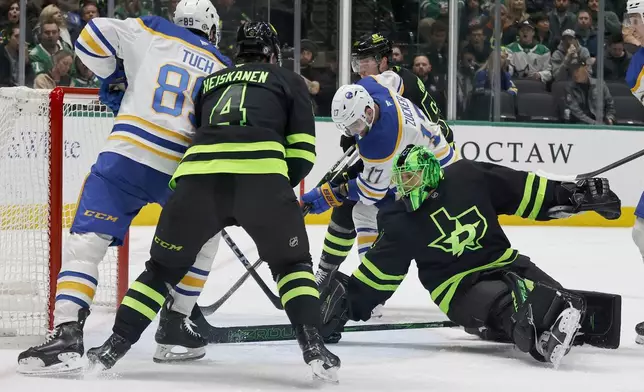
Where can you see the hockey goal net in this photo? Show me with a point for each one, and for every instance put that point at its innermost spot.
(49, 139)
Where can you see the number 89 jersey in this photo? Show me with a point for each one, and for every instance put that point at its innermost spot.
(165, 66)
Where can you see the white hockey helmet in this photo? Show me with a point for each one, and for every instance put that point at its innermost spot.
(199, 15)
(634, 15)
(349, 109)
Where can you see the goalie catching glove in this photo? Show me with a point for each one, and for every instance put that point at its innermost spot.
(592, 194)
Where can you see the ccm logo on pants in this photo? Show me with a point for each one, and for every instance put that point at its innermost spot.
(100, 215)
(167, 245)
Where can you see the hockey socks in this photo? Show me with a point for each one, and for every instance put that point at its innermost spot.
(299, 294)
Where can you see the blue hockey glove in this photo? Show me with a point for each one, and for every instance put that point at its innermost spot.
(112, 90)
(322, 198)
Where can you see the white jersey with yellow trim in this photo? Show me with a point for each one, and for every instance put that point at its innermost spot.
(165, 65)
(399, 124)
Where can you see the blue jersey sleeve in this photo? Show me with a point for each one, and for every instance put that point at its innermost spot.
(635, 70)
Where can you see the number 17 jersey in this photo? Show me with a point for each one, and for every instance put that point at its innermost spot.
(165, 66)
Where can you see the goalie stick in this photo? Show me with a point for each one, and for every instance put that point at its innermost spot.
(279, 332)
(583, 176)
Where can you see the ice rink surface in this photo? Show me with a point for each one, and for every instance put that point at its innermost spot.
(598, 259)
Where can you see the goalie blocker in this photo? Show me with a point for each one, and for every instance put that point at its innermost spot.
(446, 220)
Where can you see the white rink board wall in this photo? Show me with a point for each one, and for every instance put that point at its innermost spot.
(28, 148)
(554, 150)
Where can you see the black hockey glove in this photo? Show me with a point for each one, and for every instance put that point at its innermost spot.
(592, 194)
(346, 142)
(335, 308)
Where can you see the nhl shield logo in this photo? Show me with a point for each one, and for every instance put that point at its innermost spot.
(348, 95)
(293, 242)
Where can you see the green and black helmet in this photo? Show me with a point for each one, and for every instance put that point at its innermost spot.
(374, 46)
(416, 172)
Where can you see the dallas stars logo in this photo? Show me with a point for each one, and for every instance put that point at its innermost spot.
(459, 233)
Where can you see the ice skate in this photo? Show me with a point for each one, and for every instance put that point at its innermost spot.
(178, 338)
(61, 352)
(109, 353)
(324, 363)
(639, 329)
(324, 274)
(554, 344)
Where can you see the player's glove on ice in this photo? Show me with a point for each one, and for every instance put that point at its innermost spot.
(322, 198)
(113, 89)
(592, 194)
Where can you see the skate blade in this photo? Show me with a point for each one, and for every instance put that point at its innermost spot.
(164, 354)
(568, 325)
(321, 373)
(377, 312)
(639, 339)
(71, 363)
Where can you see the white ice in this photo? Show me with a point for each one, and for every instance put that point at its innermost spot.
(598, 259)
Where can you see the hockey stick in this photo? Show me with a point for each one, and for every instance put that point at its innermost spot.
(210, 309)
(345, 160)
(583, 176)
(277, 302)
(277, 332)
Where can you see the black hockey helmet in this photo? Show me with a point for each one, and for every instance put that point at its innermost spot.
(258, 39)
(372, 45)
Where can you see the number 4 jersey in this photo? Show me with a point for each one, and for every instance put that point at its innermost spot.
(165, 65)
(256, 118)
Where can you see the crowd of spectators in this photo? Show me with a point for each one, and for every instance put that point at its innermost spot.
(548, 58)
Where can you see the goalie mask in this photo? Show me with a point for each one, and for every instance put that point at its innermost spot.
(199, 15)
(416, 172)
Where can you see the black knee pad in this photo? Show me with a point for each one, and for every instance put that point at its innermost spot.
(478, 305)
(539, 312)
(171, 275)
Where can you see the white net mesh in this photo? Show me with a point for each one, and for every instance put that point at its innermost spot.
(24, 200)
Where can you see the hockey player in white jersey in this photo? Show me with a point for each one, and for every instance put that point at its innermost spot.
(383, 123)
(151, 70)
(634, 23)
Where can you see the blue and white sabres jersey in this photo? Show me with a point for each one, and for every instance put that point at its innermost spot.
(400, 123)
(635, 75)
(165, 65)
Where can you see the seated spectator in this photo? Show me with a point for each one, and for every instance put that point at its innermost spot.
(51, 12)
(131, 9)
(544, 6)
(84, 77)
(483, 77)
(9, 60)
(11, 11)
(507, 26)
(586, 32)
(431, 11)
(422, 67)
(89, 11)
(478, 45)
(50, 43)
(582, 94)
(568, 51)
(561, 19)
(529, 59)
(397, 55)
(616, 59)
(172, 6)
(438, 47)
(517, 11)
(472, 15)
(465, 80)
(59, 73)
(542, 29)
(611, 20)
(319, 80)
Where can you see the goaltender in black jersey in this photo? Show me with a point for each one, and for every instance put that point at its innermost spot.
(446, 220)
